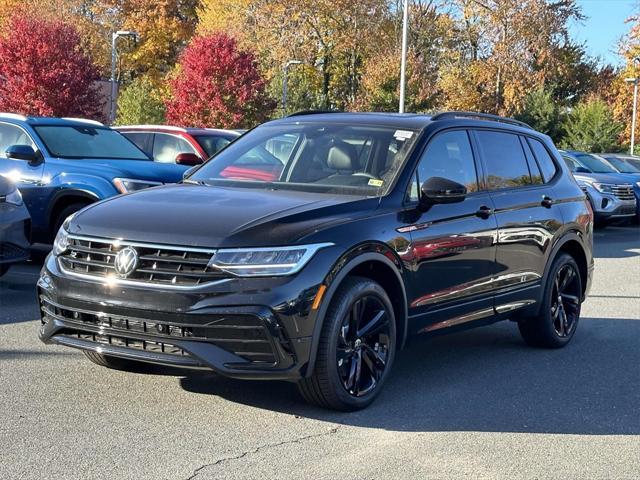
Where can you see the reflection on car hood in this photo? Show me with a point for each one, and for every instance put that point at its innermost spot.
(194, 215)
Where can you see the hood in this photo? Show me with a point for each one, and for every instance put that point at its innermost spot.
(610, 178)
(112, 168)
(207, 216)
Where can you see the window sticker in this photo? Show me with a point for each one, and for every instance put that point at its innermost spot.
(375, 183)
(403, 134)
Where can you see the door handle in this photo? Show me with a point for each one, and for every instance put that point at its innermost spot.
(547, 202)
(484, 212)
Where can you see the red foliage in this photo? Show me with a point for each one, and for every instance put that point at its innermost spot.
(218, 86)
(44, 72)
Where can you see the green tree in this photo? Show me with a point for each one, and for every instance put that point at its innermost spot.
(140, 103)
(542, 112)
(590, 127)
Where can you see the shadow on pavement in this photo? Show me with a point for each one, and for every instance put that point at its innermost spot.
(616, 242)
(486, 380)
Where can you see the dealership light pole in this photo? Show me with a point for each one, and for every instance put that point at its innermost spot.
(403, 61)
(634, 80)
(285, 80)
(114, 57)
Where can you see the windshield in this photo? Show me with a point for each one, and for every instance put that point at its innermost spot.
(594, 164)
(69, 141)
(212, 143)
(623, 165)
(331, 158)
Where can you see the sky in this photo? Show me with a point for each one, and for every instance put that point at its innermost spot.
(604, 27)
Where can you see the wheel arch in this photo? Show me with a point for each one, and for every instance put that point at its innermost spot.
(66, 197)
(376, 262)
(572, 244)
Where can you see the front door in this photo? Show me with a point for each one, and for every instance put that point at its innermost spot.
(452, 245)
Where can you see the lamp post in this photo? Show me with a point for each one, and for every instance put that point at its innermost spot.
(114, 56)
(633, 80)
(403, 61)
(285, 80)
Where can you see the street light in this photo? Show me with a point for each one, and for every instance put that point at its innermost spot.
(403, 61)
(114, 55)
(285, 80)
(634, 80)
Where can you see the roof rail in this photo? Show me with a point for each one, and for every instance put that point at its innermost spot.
(312, 112)
(85, 120)
(15, 116)
(481, 116)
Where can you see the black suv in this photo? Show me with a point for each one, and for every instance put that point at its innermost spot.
(311, 248)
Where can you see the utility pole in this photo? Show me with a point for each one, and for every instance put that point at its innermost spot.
(285, 81)
(403, 61)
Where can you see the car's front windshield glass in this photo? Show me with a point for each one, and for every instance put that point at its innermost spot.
(315, 157)
(622, 165)
(84, 141)
(594, 164)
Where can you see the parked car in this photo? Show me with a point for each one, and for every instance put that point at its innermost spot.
(610, 193)
(15, 226)
(186, 146)
(62, 165)
(378, 227)
(630, 166)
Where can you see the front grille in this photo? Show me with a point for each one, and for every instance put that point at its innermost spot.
(157, 265)
(10, 251)
(623, 192)
(243, 335)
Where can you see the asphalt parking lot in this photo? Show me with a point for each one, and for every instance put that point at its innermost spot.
(479, 404)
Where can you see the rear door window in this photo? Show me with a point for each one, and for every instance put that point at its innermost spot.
(504, 159)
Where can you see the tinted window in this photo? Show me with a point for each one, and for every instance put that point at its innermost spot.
(504, 159)
(11, 135)
(212, 144)
(142, 140)
(167, 147)
(544, 159)
(534, 168)
(69, 141)
(448, 155)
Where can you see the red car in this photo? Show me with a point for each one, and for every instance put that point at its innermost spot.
(186, 146)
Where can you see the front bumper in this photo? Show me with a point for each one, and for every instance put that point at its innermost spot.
(255, 328)
(15, 233)
(608, 206)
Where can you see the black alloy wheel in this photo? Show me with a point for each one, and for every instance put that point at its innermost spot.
(363, 345)
(559, 314)
(356, 348)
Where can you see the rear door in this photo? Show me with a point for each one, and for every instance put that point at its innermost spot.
(526, 213)
(452, 245)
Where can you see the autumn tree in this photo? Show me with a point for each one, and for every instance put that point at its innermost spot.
(217, 85)
(590, 127)
(140, 102)
(43, 70)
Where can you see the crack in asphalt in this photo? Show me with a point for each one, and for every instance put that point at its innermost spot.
(198, 470)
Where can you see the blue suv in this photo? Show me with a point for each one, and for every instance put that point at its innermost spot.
(63, 164)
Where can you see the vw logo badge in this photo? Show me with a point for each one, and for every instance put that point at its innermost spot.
(125, 262)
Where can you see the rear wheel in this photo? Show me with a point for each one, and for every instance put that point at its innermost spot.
(557, 321)
(356, 349)
(111, 362)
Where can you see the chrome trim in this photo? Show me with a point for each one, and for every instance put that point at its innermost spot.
(470, 317)
(508, 307)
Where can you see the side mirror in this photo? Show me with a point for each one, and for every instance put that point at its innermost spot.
(22, 152)
(581, 170)
(190, 159)
(441, 190)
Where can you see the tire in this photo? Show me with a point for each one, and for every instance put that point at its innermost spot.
(547, 329)
(62, 216)
(4, 268)
(111, 362)
(337, 382)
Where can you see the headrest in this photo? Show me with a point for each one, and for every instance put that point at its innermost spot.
(342, 156)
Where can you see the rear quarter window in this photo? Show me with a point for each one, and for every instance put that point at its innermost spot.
(546, 163)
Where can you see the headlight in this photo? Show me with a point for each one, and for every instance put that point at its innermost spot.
(61, 242)
(254, 262)
(128, 185)
(14, 197)
(637, 184)
(603, 187)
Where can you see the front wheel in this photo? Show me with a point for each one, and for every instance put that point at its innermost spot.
(558, 318)
(356, 349)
